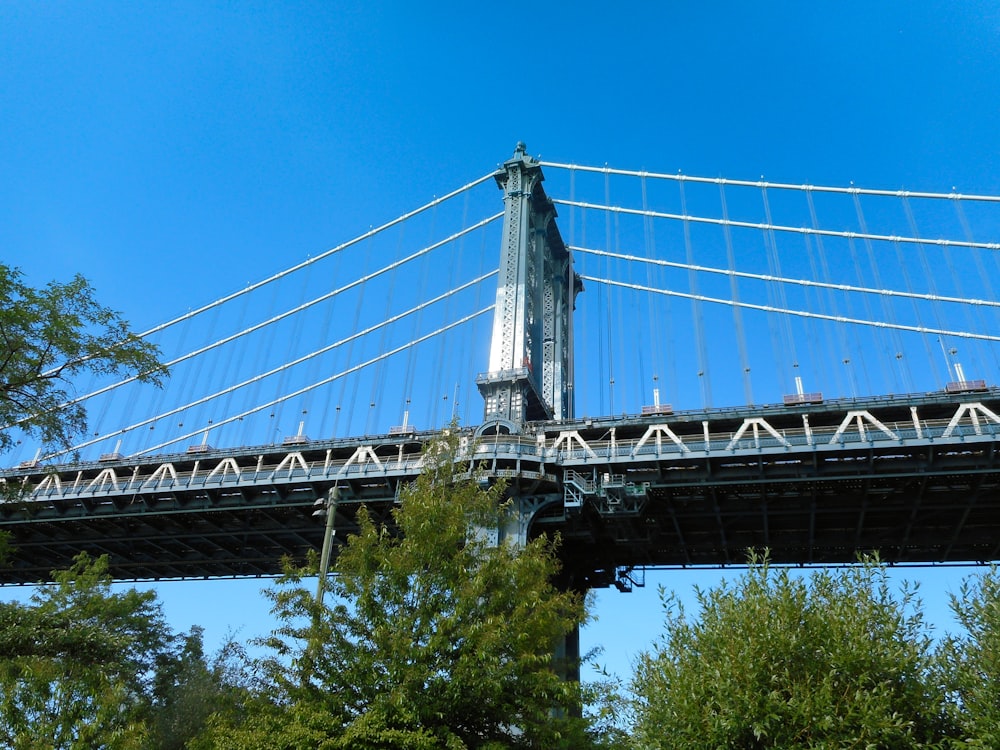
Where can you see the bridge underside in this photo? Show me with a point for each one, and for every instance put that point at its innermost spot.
(912, 497)
(918, 517)
(239, 525)
(198, 541)
(178, 537)
(813, 484)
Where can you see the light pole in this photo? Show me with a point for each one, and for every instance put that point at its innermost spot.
(329, 510)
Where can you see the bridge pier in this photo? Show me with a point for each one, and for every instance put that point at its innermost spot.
(566, 653)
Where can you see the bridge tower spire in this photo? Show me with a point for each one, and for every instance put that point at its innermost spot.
(530, 373)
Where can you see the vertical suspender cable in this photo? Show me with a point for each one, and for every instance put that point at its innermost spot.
(345, 406)
(445, 348)
(161, 393)
(861, 348)
(840, 331)
(741, 339)
(209, 372)
(784, 322)
(928, 273)
(377, 375)
(888, 307)
(655, 332)
(607, 274)
(263, 365)
(983, 275)
(323, 426)
(699, 324)
(773, 328)
(464, 366)
(434, 386)
(928, 346)
(620, 336)
(601, 369)
(180, 380)
(583, 384)
(577, 390)
(294, 337)
(861, 351)
(904, 268)
(642, 343)
(814, 300)
(409, 374)
(476, 323)
(236, 368)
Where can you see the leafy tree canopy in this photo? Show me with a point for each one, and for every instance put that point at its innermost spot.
(48, 336)
(83, 667)
(77, 663)
(190, 687)
(971, 662)
(831, 660)
(436, 638)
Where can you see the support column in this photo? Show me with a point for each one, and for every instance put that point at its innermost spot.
(566, 652)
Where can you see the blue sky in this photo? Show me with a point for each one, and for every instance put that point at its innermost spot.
(173, 152)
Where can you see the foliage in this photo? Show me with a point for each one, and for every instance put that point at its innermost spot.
(76, 665)
(607, 708)
(833, 660)
(189, 688)
(82, 667)
(436, 638)
(971, 662)
(49, 335)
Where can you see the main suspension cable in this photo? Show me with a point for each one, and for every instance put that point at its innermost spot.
(318, 384)
(325, 254)
(287, 313)
(763, 226)
(774, 185)
(285, 366)
(788, 280)
(299, 266)
(799, 313)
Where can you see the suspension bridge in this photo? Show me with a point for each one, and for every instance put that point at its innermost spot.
(666, 370)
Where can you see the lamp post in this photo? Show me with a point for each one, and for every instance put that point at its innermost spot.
(329, 510)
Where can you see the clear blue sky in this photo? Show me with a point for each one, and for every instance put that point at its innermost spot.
(166, 150)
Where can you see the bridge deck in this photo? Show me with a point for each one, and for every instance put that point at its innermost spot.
(915, 478)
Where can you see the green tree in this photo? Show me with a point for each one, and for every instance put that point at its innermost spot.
(971, 662)
(832, 660)
(189, 687)
(77, 663)
(435, 638)
(48, 336)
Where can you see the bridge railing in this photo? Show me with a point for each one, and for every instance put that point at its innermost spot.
(530, 456)
(823, 438)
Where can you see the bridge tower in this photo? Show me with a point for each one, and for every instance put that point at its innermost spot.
(530, 373)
